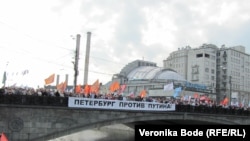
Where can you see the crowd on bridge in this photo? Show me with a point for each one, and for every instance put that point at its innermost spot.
(182, 104)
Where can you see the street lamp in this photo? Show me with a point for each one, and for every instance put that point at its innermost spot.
(223, 68)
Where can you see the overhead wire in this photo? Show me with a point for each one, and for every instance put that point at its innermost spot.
(27, 52)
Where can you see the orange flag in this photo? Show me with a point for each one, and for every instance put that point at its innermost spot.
(95, 87)
(114, 86)
(225, 101)
(111, 87)
(143, 93)
(50, 79)
(3, 137)
(86, 89)
(78, 89)
(196, 95)
(62, 86)
(117, 86)
(59, 86)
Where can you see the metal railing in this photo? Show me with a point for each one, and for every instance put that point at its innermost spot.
(34, 100)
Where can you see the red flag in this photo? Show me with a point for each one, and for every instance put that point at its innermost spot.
(50, 79)
(202, 98)
(122, 88)
(132, 95)
(3, 137)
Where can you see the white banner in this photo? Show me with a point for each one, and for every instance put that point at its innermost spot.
(235, 99)
(78, 102)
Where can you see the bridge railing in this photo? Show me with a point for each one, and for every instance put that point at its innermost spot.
(213, 110)
(63, 102)
(34, 100)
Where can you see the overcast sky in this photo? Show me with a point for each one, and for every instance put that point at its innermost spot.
(39, 35)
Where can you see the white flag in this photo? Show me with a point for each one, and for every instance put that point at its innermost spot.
(169, 87)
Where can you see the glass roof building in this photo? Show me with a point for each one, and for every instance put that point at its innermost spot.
(144, 75)
(153, 73)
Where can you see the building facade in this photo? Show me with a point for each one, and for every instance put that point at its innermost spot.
(233, 74)
(224, 70)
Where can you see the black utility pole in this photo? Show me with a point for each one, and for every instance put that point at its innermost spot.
(5, 75)
(78, 36)
(230, 90)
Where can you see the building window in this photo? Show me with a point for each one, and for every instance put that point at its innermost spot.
(207, 55)
(206, 69)
(199, 55)
(195, 77)
(207, 77)
(195, 69)
(212, 77)
(212, 71)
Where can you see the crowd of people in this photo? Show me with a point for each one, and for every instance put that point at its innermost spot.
(182, 104)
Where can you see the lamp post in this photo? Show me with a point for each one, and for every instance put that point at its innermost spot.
(230, 89)
(223, 68)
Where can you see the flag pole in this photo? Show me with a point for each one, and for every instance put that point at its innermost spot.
(5, 75)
